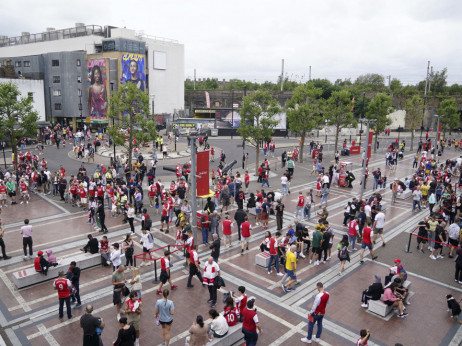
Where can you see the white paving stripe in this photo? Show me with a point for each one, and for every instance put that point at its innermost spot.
(12, 289)
(47, 335)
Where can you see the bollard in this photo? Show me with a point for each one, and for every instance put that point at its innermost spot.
(408, 245)
(155, 273)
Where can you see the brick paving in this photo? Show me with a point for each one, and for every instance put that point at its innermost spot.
(29, 316)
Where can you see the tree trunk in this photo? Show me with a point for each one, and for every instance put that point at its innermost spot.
(336, 138)
(412, 139)
(375, 142)
(257, 154)
(302, 144)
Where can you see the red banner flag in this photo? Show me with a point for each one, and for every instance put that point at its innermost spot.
(207, 99)
(202, 181)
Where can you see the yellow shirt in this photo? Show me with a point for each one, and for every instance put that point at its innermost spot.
(290, 258)
(424, 189)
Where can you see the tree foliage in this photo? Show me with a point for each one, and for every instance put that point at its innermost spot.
(450, 117)
(304, 111)
(18, 118)
(338, 112)
(395, 85)
(378, 109)
(414, 114)
(257, 119)
(129, 108)
(370, 82)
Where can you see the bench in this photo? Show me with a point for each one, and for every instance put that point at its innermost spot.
(29, 276)
(262, 259)
(379, 307)
(234, 335)
(404, 195)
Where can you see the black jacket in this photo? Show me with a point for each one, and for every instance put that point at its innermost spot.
(92, 246)
(215, 247)
(240, 215)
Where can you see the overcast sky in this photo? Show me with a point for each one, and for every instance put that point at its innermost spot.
(248, 39)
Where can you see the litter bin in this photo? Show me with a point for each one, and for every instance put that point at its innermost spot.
(341, 180)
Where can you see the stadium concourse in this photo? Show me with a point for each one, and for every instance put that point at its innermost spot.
(29, 315)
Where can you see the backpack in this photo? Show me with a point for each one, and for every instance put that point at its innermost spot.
(147, 222)
(343, 254)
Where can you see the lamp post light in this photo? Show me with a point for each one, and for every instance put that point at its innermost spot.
(80, 109)
(325, 130)
(366, 149)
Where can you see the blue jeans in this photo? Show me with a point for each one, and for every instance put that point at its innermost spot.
(214, 227)
(276, 262)
(308, 212)
(323, 199)
(302, 209)
(265, 181)
(76, 295)
(352, 241)
(68, 307)
(376, 184)
(250, 337)
(414, 204)
(205, 235)
(318, 319)
(217, 202)
(284, 189)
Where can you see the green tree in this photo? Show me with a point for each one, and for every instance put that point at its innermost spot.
(414, 115)
(18, 118)
(450, 118)
(378, 109)
(338, 112)
(304, 110)
(370, 82)
(257, 119)
(395, 85)
(438, 81)
(129, 107)
(327, 87)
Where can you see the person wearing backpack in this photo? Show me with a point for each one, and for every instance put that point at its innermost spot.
(146, 221)
(148, 243)
(343, 254)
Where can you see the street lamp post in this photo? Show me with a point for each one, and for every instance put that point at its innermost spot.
(437, 131)
(193, 186)
(361, 130)
(3, 149)
(113, 124)
(399, 131)
(325, 130)
(80, 109)
(366, 148)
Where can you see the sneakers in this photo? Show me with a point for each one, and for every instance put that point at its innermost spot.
(209, 301)
(158, 292)
(269, 273)
(311, 261)
(108, 262)
(404, 314)
(78, 305)
(433, 257)
(118, 317)
(242, 251)
(302, 255)
(280, 274)
(364, 305)
(284, 288)
(374, 258)
(174, 287)
(361, 262)
(141, 264)
(305, 340)
(328, 258)
(439, 256)
(316, 263)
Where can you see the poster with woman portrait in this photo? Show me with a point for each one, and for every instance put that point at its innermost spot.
(97, 91)
(133, 70)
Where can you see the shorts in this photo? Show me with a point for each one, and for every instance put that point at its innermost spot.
(135, 323)
(257, 211)
(264, 216)
(226, 203)
(2, 196)
(227, 237)
(114, 208)
(164, 277)
(25, 193)
(245, 239)
(11, 194)
(83, 200)
(424, 198)
(437, 246)
(167, 323)
(365, 245)
(290, 274)
(317, 250)
(389, 302)
(246, 185)
(378, 230)
(454, 242)
(116, 297)
(146, 250)
(422, 240)
(164, 218)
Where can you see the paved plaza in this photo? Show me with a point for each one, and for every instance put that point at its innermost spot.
(29, 316)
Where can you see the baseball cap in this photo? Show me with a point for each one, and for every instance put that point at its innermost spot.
(40, 253)
(397, 260)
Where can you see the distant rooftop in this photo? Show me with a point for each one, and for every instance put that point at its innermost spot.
(51, 34)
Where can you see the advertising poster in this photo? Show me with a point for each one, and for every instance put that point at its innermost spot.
(202, 183)
(133, 70)
(97, 91)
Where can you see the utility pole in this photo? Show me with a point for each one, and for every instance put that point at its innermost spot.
(425, 98)
(282, 75)
(232, 113)
(194, 79)
(389, 81)
(430, 78)
(437, 131)
(309, 76)
(366, 148)
(193, 218)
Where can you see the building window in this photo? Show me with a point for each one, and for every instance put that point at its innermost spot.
(57, 106)
(78, 62)
(79, 79)
(30, 96)
(26, 63)
(54, 62)
(56, 79)
(17, 64)
(56, 92)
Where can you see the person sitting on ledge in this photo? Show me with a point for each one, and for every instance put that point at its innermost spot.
(374, 292)
(41, 264)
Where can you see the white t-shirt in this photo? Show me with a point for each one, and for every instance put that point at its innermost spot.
(219, 325)
(380, 220)
(417, 194)
(284, 180)
(367, 210)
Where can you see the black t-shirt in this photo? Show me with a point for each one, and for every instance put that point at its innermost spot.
(440, 231)
(422, 228)
(280, 209)
(75, 275)
(89, 323)
(326, 239)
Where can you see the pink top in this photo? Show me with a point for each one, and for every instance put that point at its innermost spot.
(388, 295)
